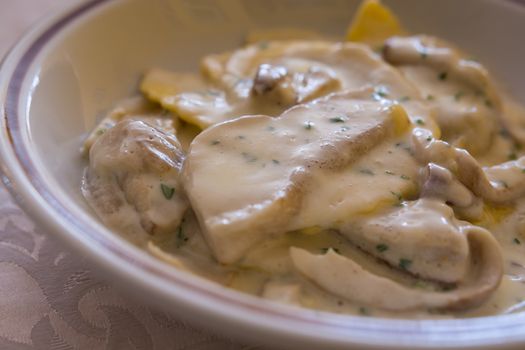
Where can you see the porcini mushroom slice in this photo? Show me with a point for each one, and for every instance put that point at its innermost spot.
(497, 184)
(132, 181)
(246, 178)
(466, 102)
(422, 237)
(345, 278)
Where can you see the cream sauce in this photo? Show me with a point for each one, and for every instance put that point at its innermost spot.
(338, 178)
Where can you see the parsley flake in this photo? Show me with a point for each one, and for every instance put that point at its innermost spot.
(404, 264)
(337, 120)
(167, 191)
(443, 76)
(381, 248)
(516, 241)
(181, 237)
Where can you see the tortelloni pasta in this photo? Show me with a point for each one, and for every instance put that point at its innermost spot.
(381, 175)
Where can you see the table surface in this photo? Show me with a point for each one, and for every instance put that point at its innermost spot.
(49, 298)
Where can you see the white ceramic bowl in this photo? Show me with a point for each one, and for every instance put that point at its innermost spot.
(63, 74)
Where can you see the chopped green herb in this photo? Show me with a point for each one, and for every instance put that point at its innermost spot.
(337, 120)
(420, 122)
(249, 157)
(405, 177)
(366, 171)
(379, 48)
(404, 264)
(308, 125)
(275, 161)
(167, 191)
(488, 103)
(447, 287)
(403, 99)
(381, 248)
(429, 138)
(523, 170)
(443, 76)
(430, 97)
(240, 137)
(516, 241)
(459, 95)
(388, 172)
(270, 128)
(380, 93)
(363, 311)
(397, 195)
(181, 237)
(512, 156)
(420, 284)
(100, 132)
(504, 133)
(215, 142)
(263, 45)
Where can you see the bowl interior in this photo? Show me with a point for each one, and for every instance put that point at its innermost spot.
(87, 65)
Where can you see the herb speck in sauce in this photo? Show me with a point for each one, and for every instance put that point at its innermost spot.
(250, 158)
(167, 191)
(181, 237)
(516, 241)
(308, 125)
(366, 171)
(420, 122)
(381, 248)
(215, 142)
(337, 119)
(512, 156)
(430, 97)
(388, 172)
(363, 311)
(405, 177)
(404, 264)
(398, 196)
(263, 45)
(275, 161)
(459, 95)
(380, 93)
(443, 76)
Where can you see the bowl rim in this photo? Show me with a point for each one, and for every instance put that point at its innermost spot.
(223, 309)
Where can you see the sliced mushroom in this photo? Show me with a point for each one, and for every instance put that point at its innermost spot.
(285, 88)
(439, 182)
(136, 108)
(132, 181)
(497, 184)
(246, 178)
(466, 101)
(345, 278)
(402, 237)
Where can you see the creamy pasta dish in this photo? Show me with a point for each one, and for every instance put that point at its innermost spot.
(377, 175)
